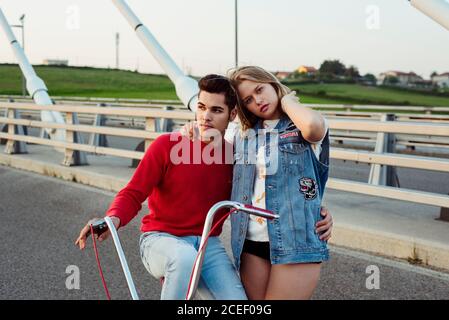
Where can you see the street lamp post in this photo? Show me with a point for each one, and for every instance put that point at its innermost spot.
(22, 26)
(236, 35)
(117, 43)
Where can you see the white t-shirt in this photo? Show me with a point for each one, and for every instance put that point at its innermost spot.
(257, 226)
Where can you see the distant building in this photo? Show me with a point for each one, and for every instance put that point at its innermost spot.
(405, 79)
(366, 81)
(281, 75)
(54, 62)
(310, 71)
(441, 80)
(422, 84)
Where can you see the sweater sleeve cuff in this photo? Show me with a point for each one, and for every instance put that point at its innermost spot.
(114, 213)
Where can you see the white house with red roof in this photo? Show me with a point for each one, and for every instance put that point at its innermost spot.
(441, 80)
(281, 75)
(404, 78)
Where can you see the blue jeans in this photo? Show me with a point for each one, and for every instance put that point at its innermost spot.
(172, 258)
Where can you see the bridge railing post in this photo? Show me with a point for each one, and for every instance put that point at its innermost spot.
(12, 146)
(98, 139)
(73, 157)
(150, 125)
(444, 214)
(385, 143)
(166, 125)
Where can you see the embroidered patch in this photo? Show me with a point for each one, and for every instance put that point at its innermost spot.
(308, 186)
(291, 126)
(289, 134)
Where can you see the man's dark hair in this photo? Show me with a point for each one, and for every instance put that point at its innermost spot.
(214, 83)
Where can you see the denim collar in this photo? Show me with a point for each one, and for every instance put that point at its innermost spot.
(284, 121)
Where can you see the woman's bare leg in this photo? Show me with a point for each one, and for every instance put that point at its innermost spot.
(292, 281)
(254, 273)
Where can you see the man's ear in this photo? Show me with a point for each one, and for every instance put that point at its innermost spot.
(233, 114)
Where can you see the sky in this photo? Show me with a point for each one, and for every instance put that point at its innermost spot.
(279, 35)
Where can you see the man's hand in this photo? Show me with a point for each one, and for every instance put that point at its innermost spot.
(191, 130)
(324, 227)
(81, 241)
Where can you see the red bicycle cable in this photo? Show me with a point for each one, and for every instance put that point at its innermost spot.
(99, 264)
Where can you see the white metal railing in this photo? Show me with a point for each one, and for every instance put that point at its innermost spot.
(338, 136)
(80, 100)
(69, 145)
(353, 108)
(149, 134)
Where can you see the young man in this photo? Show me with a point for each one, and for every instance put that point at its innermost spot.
(182, 179)
(181, 184)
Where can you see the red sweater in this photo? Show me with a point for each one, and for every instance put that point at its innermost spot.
(179, 194)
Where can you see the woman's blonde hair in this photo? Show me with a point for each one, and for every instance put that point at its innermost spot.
(255, 74)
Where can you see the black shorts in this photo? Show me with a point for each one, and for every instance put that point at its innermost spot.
(260, 249)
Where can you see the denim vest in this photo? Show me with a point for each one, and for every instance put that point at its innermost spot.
(294, 189)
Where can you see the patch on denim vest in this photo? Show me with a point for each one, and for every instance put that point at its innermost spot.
(291, 126)
(289, 134)
(309, 187)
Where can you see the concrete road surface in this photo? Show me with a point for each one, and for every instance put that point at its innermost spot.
(41, 218)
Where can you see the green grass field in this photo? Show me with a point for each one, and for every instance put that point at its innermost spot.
(358, 94)
(90, 82)
(110, 83)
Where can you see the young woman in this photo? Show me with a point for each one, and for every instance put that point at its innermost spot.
(281, 164)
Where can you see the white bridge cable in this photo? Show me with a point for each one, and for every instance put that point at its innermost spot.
(186, 87)
(35, 86)
(437, 10)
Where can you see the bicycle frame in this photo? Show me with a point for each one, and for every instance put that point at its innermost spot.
(199, 262)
